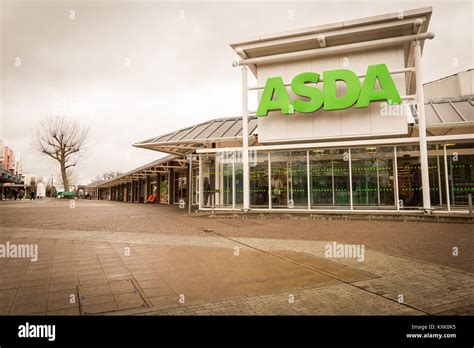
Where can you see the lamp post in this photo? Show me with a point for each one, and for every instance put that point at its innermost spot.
(52, 185)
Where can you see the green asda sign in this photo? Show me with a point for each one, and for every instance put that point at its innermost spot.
(275, 96)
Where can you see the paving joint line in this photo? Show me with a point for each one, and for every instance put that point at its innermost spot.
(315, 270)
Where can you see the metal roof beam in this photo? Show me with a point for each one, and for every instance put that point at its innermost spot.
(319, 52)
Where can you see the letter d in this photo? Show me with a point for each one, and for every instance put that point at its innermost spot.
(331, 101)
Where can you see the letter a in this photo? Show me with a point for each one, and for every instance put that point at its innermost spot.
(274, 87)
(388, 90)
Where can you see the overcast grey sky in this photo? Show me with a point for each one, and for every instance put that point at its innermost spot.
(136, 69)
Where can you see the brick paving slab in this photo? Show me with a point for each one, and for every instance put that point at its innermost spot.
(139, 259)
(427, 241)
(319, 301)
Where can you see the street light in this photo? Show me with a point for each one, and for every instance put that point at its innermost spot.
(52, 181)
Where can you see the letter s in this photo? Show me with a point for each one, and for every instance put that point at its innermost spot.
(299, 87)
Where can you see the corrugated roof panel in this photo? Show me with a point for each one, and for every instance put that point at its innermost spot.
(163, 137)
(196, 131)
(447, 112)
(147, 140)
(466, 109)
(225, 126)
(252, 125)
(208, 132)
(234, 130)
(214, 129)
(180, 134)
(430, 115)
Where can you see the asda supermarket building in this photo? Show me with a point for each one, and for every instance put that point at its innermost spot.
(344, 123)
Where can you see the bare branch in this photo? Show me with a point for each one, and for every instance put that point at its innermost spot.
(63, 140)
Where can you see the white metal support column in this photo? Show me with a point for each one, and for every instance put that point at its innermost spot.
(440, 191)
(350, 180)
(233, 180)
(308, 174)
(425, 179)
(190, 184)
(395, 179)
(378, 180)
(245, 139)
(200, 183)
(446, 178)
(269, 189)
(332, 183)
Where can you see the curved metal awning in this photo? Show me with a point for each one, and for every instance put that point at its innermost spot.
(161, 165)
(443, 117)
(187, 140)
(449, 116)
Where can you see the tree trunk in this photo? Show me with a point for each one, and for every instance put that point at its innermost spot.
(65, 178)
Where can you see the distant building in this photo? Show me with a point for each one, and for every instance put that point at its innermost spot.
(93, 190)
(10, 181)
(7, 159)
(17, 164)
(453, 86)
(29, 181)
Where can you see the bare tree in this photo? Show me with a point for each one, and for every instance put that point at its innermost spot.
(73, 179)
(63, 140)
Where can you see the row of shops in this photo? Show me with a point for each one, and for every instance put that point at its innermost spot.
(9, 184)
(365, 176)
(417, 155)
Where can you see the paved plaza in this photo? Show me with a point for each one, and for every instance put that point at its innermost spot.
(109, 258)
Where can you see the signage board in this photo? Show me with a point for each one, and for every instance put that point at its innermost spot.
(354, 97)
(275, 96)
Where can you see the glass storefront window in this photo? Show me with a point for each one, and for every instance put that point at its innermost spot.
(239, 178)
(436, 175)
(289, 179)
(259, 180)
(226, 181)
(329, 179)
(460, 160)
(409, 177)
(206, 161)
(217, 183)
(283, 183)
(372, 177)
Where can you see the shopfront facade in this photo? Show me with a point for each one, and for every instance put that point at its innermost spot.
(354, 177)
(309, 148)
(316, 152)
(164, 181)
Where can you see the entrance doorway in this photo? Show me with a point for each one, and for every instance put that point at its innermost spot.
(289, 181)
